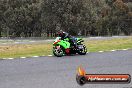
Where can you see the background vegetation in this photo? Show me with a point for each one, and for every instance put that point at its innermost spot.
(42, 18)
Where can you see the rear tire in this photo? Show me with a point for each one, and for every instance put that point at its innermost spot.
(82, 51)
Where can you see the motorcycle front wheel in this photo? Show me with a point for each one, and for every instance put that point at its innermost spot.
(58, 51)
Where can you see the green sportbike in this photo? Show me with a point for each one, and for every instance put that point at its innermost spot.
(65, 47)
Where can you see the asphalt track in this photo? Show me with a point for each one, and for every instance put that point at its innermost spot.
(53, 72)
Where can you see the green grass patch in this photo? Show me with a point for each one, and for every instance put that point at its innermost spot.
(106, 45)
(28, 50)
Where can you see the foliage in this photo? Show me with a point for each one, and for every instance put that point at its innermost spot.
(36, 18)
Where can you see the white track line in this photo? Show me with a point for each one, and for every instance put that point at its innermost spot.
(10, 58)
(101, 51)
(22, 57)
(35, 56)
(124, 49)
(112, 50)
(50, 55)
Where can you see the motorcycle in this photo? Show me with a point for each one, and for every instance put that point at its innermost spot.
(65, 47)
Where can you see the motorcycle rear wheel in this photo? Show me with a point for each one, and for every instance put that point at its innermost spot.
(82, 51)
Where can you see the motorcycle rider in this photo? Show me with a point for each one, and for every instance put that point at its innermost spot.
(65, 35)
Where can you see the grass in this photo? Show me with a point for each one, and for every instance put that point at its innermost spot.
(28, 50)
(106, 45)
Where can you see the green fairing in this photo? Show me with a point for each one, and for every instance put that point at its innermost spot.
(64, 44)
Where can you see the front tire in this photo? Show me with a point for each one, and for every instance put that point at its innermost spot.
(58, 51)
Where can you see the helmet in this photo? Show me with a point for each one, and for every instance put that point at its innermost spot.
(61, 33)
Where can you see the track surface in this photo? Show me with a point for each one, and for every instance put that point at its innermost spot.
(53, 72)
